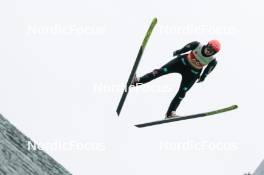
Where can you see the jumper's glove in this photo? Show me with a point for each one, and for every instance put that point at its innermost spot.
(201, 79)
(175, 53)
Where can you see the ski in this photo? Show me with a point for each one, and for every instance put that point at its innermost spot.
(187, 117)
(138, 58)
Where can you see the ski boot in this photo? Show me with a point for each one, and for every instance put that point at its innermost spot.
(135, 81)
(171, 114)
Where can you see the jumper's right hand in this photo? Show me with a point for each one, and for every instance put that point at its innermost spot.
(175, 53)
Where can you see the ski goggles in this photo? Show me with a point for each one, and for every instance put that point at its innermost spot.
(210, 49)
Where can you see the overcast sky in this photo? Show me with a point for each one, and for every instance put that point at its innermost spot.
(55, 55)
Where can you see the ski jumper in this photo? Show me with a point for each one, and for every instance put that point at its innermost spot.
(189, 65)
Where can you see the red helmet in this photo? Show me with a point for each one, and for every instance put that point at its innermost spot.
(215, 44)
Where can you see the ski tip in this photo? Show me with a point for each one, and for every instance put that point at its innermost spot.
(234, 106)
(154, 20)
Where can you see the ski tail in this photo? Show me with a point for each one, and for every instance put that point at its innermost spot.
(187, 117)
(134, 69)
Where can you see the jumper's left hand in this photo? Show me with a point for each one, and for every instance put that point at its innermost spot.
(201, 79)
